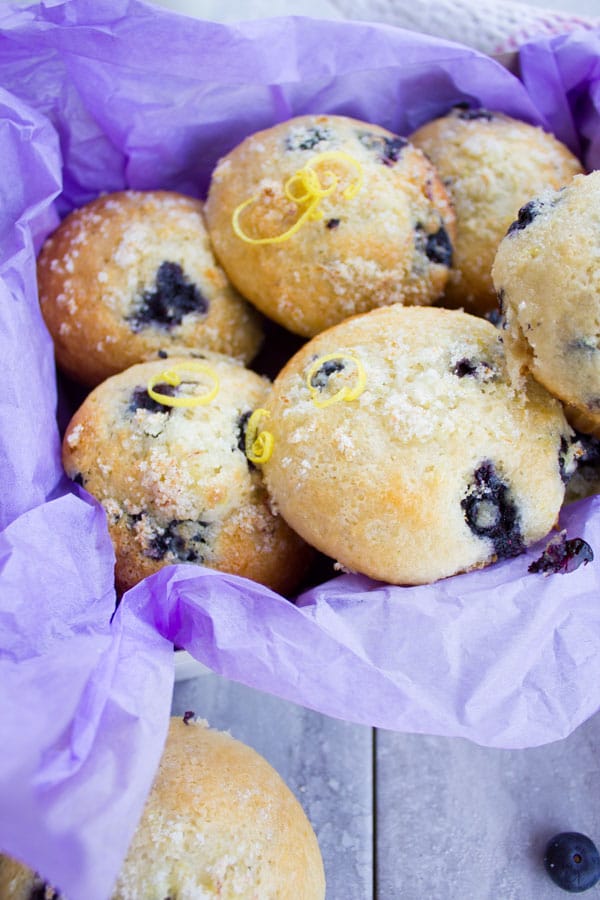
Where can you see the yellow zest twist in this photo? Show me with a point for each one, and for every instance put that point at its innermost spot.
(171, 376)
(306, 190)
(259, 444)
(345, 392)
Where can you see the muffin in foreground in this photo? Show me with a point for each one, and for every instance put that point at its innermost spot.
(547, 273)
(321, 217)
(219, 822)
(491, 165)
(162, 447)
(131, 273)
(400, 449)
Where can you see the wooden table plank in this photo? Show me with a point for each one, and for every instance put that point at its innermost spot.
(458, 821)
(328, 764)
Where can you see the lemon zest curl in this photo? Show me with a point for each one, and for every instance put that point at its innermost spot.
(345, 393)
(306, 190)
(258, 444)
(172, 377)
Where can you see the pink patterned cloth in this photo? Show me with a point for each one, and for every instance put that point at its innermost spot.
(488, 25)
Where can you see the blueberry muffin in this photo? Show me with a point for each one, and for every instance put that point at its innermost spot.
(547, 272)
(322, 217)
(162, 446)
(131, 273)
(491, 165)
(399, 448)
(219, 822)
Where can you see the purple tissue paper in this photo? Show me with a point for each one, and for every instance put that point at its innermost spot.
(100, 96)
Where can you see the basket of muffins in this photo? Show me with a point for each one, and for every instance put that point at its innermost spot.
(325, 388)
(419, 427)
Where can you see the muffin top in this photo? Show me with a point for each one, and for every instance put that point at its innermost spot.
(400, 449)
(321, 217)
(162, 447)
(491, 164)
(547, 272)
(132, 273)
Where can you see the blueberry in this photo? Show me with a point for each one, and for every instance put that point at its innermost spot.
(141, 399)
(182, 538)
(563, 556)
(588, 344)
(241, 425)
(332, 223)
(393, 149)
(570, 454)
(322, 375)
(388, 149)
(478, 368)
(525, 217)
(468, 113)
(307, 138)
(464, 367)
(572, 861)
(240, 435)
(494, 317)
(437, 247)
(43, 892)
(172, 298)
(490, 512)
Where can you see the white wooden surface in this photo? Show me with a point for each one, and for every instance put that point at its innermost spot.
(456, 821)
(416, 817)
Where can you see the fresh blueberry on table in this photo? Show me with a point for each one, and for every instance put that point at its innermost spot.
(572, 861)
